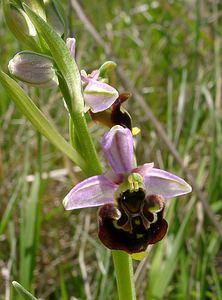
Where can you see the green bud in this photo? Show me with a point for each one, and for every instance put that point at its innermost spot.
(34, 69)
(20, 25)
(107, 67)
(23, 22)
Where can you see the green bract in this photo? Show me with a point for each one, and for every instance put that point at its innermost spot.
(107, 67)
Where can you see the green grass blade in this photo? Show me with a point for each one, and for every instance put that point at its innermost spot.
(159, 283)
(22, 291)
(29, 222)
(9, 209)
(37, 118)
(63, 288)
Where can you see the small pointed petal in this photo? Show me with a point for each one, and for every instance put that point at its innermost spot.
(107, 67)
(99, 95)
(165, 184)
(71, 44)
(87, 77)
(93, 191)
(94, 75)
(84, 76)
(118, 149)
(144, 170)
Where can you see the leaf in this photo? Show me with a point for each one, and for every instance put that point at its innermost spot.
(9, 209)
(38, 7)
(38, 119)
(162, 272)
(22, 291)
(28, 232)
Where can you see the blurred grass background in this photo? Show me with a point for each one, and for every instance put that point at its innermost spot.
(171, 52)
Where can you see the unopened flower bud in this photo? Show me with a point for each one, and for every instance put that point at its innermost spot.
(34, 69)
(71, 44)
(23, 21)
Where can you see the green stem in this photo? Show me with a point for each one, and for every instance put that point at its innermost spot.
(88, 150)
(72, 136)
(124, 275)
(122, 261)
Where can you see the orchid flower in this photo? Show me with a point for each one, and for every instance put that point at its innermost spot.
(98, 95)
(132, 199)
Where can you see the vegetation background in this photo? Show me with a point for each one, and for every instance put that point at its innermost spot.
(169, 53)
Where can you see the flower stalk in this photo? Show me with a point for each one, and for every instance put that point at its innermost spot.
(124, 275)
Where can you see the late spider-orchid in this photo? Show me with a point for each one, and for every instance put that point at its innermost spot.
(132, 199)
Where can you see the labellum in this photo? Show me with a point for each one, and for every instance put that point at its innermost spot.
(116, 115)
(133, 222)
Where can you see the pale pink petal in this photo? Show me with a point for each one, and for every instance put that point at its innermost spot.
(87, 77)
(71, 44)
(93, 191)
(99, 95)
(114, 177)
(144, 169)
(94, 75)
(118, 149)
(166, 184)
(84, 77)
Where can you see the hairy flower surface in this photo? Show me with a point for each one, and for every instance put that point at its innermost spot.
(132, 199)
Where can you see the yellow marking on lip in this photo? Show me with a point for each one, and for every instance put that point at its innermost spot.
(139, 255)
(139, 236)
(137, 221)
(135, 131)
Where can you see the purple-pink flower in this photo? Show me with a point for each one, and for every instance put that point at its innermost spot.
(132, 199)
(98, 95)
